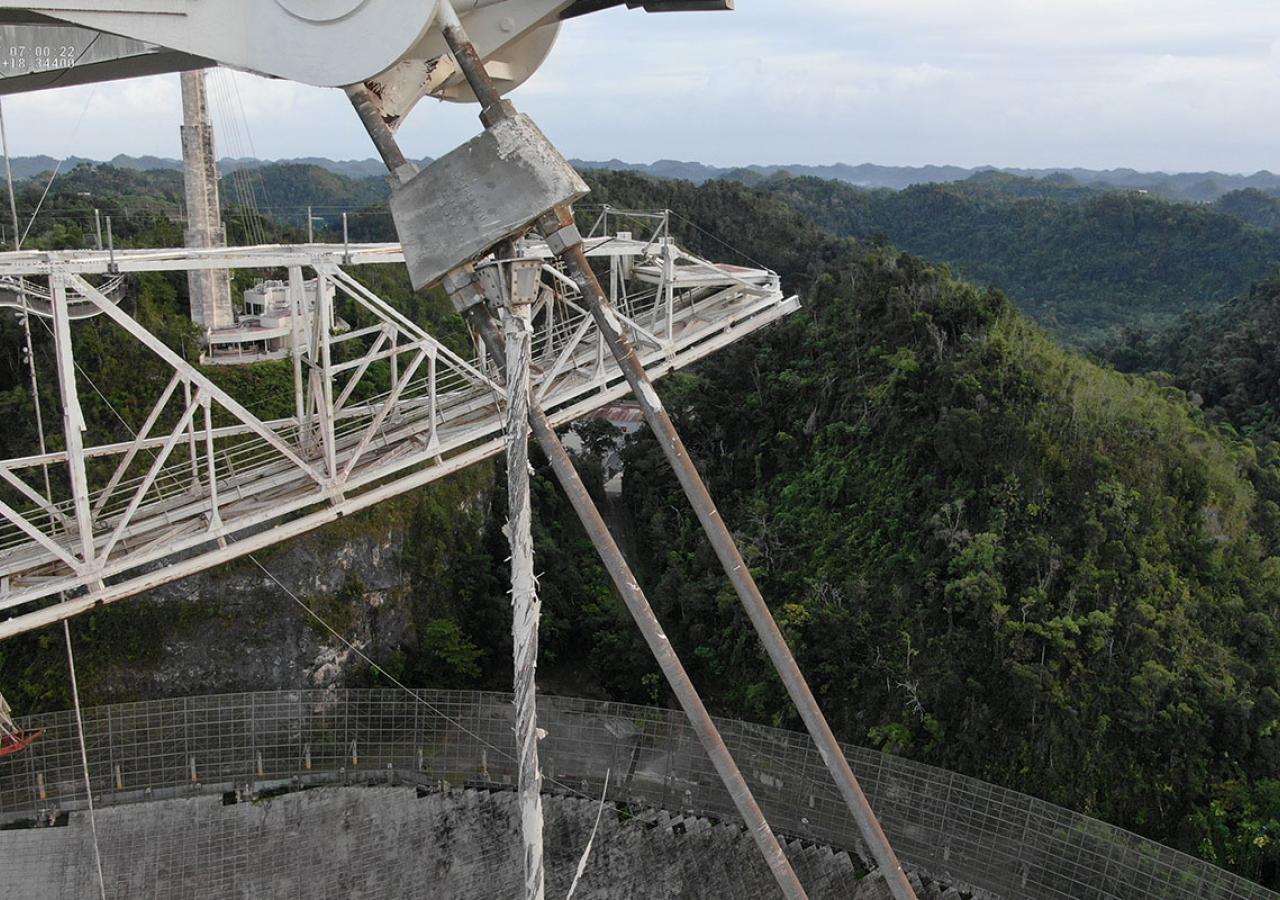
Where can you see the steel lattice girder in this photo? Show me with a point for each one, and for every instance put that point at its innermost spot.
(205, 481)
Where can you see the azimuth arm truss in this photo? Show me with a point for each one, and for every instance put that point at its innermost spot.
(204, 480)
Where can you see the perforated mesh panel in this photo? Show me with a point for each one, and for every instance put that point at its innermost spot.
(958, 829)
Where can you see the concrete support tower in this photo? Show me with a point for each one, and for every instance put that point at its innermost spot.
(210, 289)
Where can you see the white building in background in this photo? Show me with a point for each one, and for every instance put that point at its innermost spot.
(266, 329)
(268, 301)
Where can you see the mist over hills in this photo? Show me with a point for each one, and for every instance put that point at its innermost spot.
(1199, 187)
(1188, 186)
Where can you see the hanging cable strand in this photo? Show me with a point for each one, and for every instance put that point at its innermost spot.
(586, 854)
(415, 695)
(468, 298)
(561, 233)
(726, 549)
(525, 607)
(58, 168)
(25, 315)
(84, 761)
(237, 145)
(254, 173)
(633, 597)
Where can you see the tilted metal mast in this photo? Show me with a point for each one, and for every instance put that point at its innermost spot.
(457, 220)
(210, 289)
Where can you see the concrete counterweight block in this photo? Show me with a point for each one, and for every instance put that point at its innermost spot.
(489, 189)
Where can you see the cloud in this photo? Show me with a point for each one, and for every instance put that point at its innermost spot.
(1145, 83)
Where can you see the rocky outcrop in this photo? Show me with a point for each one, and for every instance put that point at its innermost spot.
(238, 628)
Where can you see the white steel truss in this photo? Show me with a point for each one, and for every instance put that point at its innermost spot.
(205, 480)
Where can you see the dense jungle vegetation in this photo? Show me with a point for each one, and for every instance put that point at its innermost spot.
(1081, 261)
(990, 553)
(1228, 359)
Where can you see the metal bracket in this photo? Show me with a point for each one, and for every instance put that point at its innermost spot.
(560, 241)
(488, 190)
(461, 286)
(525, 282)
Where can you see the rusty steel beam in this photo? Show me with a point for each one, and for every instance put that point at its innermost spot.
(633, 597)
(562, 237)
(469, 299)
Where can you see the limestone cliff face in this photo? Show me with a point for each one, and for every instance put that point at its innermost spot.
(370, 577)
(236, 629)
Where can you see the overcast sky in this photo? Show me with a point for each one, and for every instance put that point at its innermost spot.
(1149, 84)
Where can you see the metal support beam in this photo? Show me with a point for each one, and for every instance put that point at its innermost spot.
(726, 549)
(324, 399)
(72, 416)
(297, 307)
(624, 580)
(448, 408)
(562, 237)
(633, 597)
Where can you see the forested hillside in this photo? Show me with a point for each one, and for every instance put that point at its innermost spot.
(989, 553)
(1084, 261)
(1228, 360)
(134, 198)
(1253, 206)
(1081, 262)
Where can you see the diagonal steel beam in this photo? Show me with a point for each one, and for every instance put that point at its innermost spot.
(157, 465)
(376, 304)
(628, 587)
(72, 416)
(561, 234)
(187, 544)
(726, 549)
(633, 597)
(8, 512)
(194, 376)
(390, 404)
(138, 440)
(42, 502)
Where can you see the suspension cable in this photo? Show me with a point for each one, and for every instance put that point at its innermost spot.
(586, 854)
(26, 312)
(526, 608)
(58, 168)
(399, 684)
(84, 761)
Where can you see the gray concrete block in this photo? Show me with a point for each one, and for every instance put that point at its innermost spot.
(492, 187)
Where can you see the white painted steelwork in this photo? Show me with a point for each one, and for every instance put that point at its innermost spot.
(329, 43)
(206, 481)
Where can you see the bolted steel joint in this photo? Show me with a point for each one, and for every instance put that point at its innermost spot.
(525, 282)
(492, 285)
(462, 288)
(497, 112)
(565, 238)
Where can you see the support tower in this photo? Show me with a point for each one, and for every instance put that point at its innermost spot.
(210, 289)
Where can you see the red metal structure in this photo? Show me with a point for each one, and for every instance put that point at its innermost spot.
(12, 738)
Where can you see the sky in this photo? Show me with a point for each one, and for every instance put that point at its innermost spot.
(1171, 85)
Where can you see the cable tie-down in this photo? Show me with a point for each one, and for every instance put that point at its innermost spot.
(460, 285)
(564, 239)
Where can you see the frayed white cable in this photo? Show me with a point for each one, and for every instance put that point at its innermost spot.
(586, 854)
